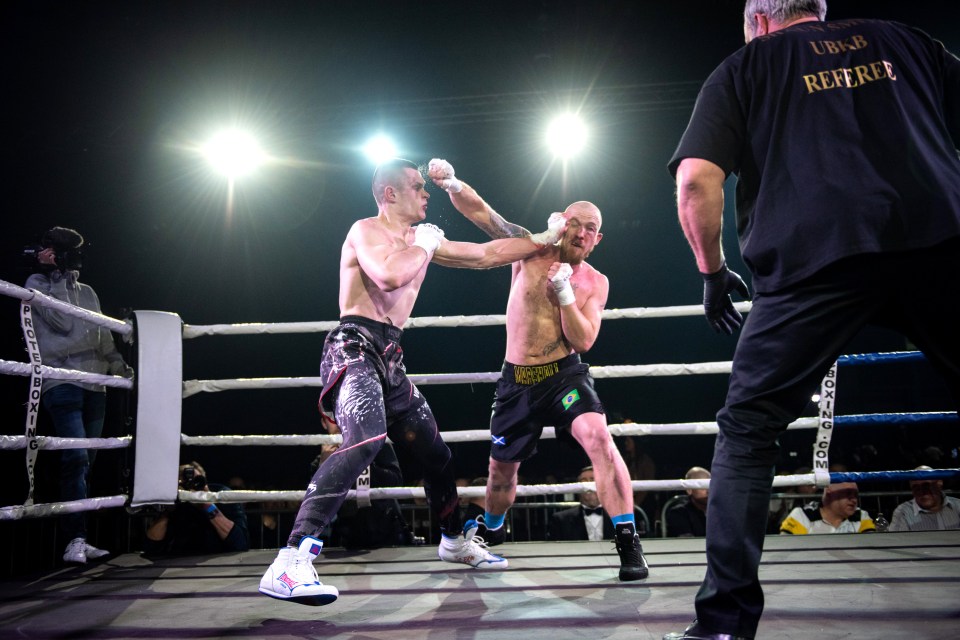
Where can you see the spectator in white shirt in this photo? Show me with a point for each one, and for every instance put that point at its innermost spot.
(930, 509)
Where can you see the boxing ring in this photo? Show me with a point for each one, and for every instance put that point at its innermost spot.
(854, 586)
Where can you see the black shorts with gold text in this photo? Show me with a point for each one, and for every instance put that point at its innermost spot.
(529, 398)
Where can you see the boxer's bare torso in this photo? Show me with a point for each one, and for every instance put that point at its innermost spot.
(534, 328)
(537, 330)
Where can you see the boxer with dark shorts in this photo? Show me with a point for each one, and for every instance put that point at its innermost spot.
(553, 315)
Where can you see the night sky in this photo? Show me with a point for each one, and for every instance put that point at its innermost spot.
(105, 100)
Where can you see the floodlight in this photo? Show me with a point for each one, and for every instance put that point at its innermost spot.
(566, 135)
(380, 148)
(233, 153)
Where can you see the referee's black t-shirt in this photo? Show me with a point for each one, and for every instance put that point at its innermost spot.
(844, 137)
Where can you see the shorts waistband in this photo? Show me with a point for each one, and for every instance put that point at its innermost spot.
(379, 330)
(526, 374)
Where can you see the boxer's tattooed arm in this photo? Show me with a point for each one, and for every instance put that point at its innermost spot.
(497, 227)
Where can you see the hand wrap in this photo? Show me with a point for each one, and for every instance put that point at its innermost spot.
(428, 237)
(561, 284)
(441, 170)
(556, 224)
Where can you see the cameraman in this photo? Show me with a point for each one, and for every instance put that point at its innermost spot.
(76, 409)
(197, 527)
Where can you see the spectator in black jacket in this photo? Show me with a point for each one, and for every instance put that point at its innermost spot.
(588, 521)
(689, 520)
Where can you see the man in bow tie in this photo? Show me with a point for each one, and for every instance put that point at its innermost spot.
(588, 521)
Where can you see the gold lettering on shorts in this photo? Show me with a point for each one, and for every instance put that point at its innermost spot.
(849, 78)
(523, 374)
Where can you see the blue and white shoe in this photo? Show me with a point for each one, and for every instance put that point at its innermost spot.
(470, 549)
(292, 576)
(492, 537)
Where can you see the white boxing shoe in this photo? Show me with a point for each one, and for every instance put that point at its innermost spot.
(470, 549)
(292, 576)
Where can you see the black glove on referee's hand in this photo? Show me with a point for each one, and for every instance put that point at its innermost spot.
(717, 304)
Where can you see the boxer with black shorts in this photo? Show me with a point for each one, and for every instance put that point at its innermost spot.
(553, 315)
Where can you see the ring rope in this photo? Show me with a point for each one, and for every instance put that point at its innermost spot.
(124, 328)
(18, 512)
(794, 480)
(51, 443)
(256, 328)
(625, 429)
(54, 373)
(882, 356)
(56, 508)
(192, 387)
(472, 435)
(859, 476)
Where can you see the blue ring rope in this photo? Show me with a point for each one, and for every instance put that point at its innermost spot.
(897, 418)
(892, 356)
(859, 476)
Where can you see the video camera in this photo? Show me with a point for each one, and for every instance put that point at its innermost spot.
(66, 259)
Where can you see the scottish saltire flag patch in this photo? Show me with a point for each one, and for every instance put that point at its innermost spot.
(569, 399)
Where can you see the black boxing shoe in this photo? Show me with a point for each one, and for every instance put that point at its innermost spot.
(633, 566)
(696, 632)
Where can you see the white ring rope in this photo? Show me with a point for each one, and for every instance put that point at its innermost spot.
(255, 328)
(475, 435)
(24, 369)
(50, 443)
(475, 492)
(463, 435)
(43, 300)
(59, 508)
(193, 387)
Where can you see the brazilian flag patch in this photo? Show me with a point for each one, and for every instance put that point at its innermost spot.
(569, 399)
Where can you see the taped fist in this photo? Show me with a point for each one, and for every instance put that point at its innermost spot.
(717, 303)
(441, 172)
(556, 225)
(428, 237)
(559, 275)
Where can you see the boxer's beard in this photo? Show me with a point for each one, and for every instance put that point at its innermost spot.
(572, 255)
